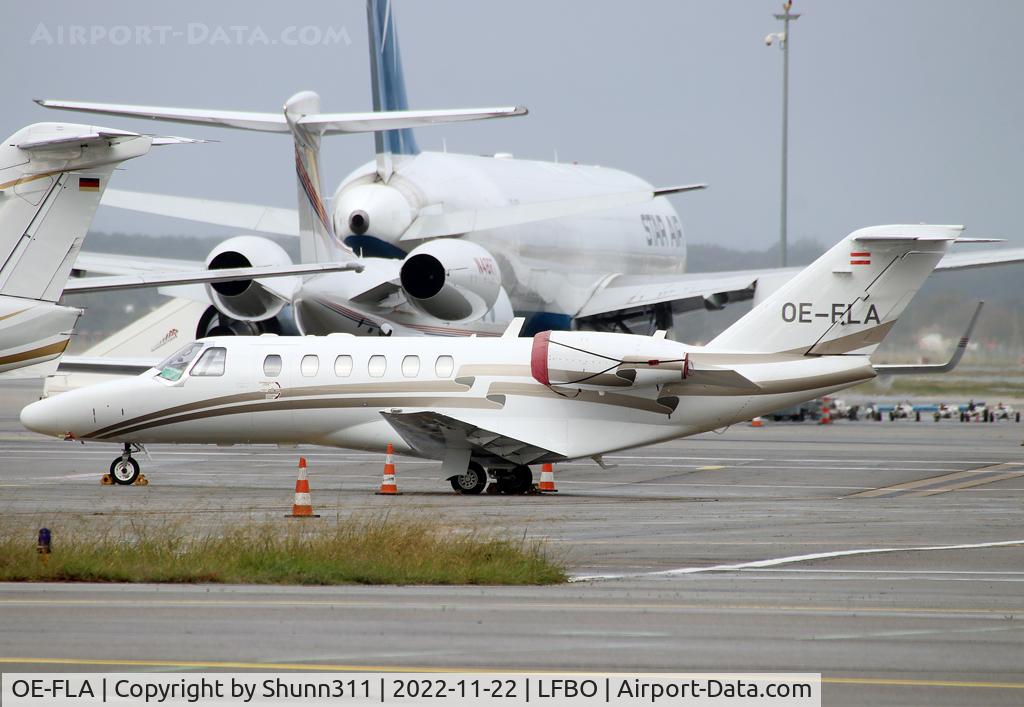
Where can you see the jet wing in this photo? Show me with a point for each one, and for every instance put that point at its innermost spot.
(247, 217)
(163, 279)
(431, 433)
(437, 223)
(433, 222)
(117, 264)
(621, 293)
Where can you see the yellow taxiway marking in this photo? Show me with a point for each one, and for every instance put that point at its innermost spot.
(713, 467)
(348, 668)
(947, 482)
(521, 606)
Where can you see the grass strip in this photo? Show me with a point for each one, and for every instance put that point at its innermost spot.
(357, 550)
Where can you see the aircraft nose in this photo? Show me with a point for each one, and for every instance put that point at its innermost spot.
(41, 417)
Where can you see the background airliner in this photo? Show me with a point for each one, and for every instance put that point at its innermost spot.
(450, 244)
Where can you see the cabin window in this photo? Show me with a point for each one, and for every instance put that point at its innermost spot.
(174, 365)
(411, 366)
(343, 366)
(377, 366)
(444, 366)
(310, 365)
(211, 363)
(272, 366)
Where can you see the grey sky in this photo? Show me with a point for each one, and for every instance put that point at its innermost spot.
(900, 111)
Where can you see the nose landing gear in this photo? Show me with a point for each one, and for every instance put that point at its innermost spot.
(124, 470)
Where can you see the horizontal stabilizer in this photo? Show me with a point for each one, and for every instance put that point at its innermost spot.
(451, 223)
(158, 279)
(99, 137)
(325, 123)
(924, 369)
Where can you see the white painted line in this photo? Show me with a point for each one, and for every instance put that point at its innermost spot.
(916, 632)
(791, 559)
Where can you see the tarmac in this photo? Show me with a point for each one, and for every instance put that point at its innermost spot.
(889, 556)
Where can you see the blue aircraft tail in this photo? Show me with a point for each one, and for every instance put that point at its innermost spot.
(386, 74)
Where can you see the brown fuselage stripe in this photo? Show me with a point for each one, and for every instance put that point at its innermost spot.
(296, 404)
(286, 393)
(49, 350)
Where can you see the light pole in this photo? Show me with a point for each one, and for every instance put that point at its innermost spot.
(786, 17)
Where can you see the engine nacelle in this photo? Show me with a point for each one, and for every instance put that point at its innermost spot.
(246, 300)
(376, 210)
(596, 360)
(451, 279)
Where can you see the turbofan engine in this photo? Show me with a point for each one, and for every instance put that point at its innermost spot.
(596, 360)
(450, 279)
(246, 300)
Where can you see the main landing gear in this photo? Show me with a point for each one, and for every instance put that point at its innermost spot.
(472, 481)
(515, 481)
(124, 470)
(511, 482)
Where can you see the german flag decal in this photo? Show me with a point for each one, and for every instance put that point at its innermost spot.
(88, 184)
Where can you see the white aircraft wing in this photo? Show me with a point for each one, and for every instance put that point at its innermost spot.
(163, 279)
(233, 214)
(686, 292)
(690, 291)
(433, 222)
(432, 433)
(116, 264)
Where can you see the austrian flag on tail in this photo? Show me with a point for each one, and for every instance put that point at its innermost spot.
(860, 257)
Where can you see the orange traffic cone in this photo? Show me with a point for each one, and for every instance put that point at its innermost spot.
(303, 506)
(388, 486)
(757, 422)
(826, 412)
(547, 479)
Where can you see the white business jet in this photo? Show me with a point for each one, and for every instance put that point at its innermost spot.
(493, 406)
(52, 177)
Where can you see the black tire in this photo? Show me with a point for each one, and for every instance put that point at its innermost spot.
(471, 482)
(124, 473)
(516, 481)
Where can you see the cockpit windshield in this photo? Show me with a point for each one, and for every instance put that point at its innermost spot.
(174, 365)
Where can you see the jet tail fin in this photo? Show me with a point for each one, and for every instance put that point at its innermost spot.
(317, 240)
(847, 300)
(52, 176)
(388, 83)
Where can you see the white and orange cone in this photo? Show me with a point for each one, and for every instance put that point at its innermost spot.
(388, 485)
(826, 412)
(757, 422)
(547, 479)
(303, 506)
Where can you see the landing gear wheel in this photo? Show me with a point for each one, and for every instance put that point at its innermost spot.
(472, 481)
(124, 471)
(515, 482)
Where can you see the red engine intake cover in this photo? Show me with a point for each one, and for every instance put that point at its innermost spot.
(539, 358)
